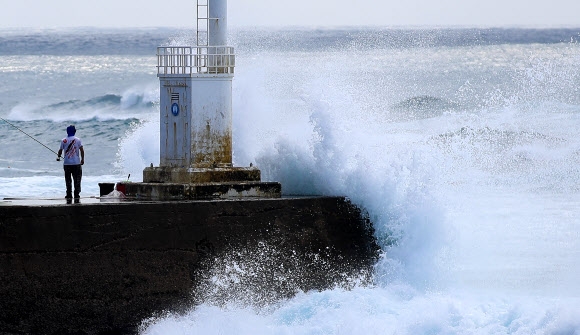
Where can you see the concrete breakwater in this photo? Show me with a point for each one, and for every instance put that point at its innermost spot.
(102, 268)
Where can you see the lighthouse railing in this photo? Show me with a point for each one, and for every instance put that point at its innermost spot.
(195, 60)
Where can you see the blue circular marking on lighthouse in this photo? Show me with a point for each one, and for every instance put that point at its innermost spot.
(175, 109)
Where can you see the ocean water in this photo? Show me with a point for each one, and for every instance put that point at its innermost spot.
(461, 144)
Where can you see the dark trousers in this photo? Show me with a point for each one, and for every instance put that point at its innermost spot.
(73, 173)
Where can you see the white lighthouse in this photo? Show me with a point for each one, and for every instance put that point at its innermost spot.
(196, 119)
(196, 94)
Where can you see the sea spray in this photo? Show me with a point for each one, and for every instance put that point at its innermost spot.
(392, 187)
(139, 148)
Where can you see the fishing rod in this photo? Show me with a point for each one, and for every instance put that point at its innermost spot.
(29, 136)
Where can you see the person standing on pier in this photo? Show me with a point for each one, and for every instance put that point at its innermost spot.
(74, 158)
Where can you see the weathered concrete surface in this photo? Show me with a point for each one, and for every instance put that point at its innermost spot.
(172, 183)
(224, 190)
(167, 174)
(103, 268)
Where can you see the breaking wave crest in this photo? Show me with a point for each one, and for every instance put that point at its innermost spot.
(133, 104)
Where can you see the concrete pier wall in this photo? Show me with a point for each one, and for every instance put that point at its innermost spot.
(103, 268)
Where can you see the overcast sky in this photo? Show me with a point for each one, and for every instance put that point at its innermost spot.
(315, 13)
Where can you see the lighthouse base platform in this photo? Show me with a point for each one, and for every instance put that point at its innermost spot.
(198, 191)
(170, 183)
(166, 174)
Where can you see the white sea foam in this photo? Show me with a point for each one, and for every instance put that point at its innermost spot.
(392, 310)
(49, 186)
